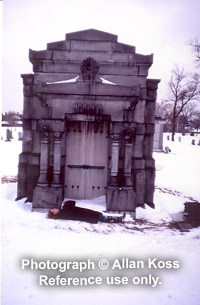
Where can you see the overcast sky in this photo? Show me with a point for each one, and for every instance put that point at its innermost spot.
(161, 27)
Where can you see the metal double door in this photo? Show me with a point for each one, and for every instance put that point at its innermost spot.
(86, 159)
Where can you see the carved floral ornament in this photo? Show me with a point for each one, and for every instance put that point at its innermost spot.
(44, 129)
(89, 69)
(128, 134)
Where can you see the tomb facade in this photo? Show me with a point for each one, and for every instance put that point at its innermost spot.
(88, 124)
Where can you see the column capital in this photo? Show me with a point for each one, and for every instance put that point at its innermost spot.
(44, 129)
(115, 137)
(128, 134)
(57, 135)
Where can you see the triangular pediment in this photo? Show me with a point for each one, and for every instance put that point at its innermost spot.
(91, 34)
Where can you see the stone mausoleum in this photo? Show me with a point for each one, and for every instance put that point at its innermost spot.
(88, 124)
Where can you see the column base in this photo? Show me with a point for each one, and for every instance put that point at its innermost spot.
(47, 197)
(42, 184)
(114, 181)
(56, 185)
(42, 181)
(128, 181)
(56, 179)
(120, 199)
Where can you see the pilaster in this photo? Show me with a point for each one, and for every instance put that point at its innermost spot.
(44, 154)
(114, 160)
(57, 159)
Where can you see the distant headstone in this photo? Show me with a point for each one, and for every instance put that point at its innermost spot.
(8, 135)
(168, 138)
(19, 136)
(179, 139)
(193, 142)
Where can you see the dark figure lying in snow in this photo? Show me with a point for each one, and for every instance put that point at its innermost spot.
(71, 212)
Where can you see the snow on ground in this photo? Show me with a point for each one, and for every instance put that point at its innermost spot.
(9, 156)
(179, 170)
(152, 235)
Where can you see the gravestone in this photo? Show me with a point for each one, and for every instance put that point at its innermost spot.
(19, 136)
(158, 134)
(88, 124)
(8, 134)
(192, 213)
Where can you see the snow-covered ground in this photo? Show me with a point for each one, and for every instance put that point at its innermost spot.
(27, 235)
(15, 131)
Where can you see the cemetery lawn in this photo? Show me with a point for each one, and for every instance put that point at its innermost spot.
(27, 235)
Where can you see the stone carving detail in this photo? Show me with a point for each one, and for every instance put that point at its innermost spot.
(43, 100)
(115, 138)
(133, 104)
(89, 69)
(45, 132)
(44, 129)
(57, 135)
(128, 134)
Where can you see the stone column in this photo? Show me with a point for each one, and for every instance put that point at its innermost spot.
(57, 159)
(44, 153)
(128, 136)
(114, 160)
(127, 163)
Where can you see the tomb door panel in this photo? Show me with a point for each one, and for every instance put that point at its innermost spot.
(74, 178)
(86, 160)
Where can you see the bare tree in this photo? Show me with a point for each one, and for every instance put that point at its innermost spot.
(12, 118)
(184, 120)
(195, 120)
(163, 110)
(195, 44)
(183, 89)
